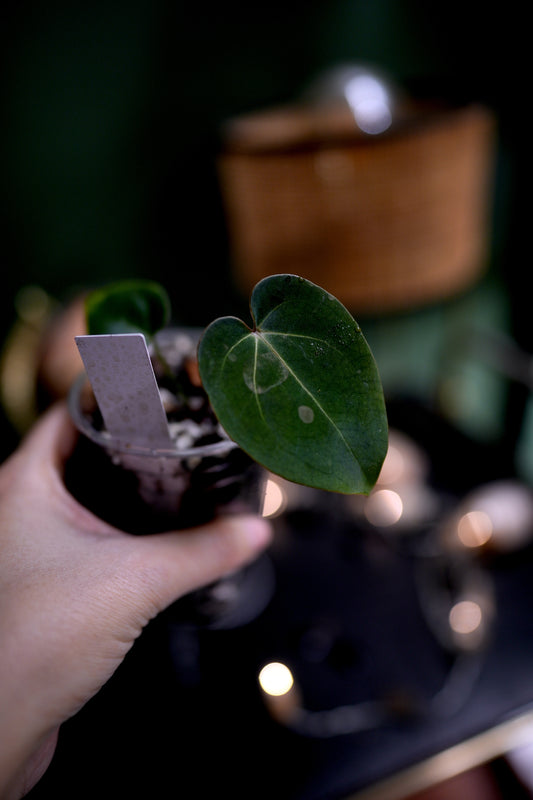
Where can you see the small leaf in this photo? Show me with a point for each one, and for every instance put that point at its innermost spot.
(300, 393)
(128, 306)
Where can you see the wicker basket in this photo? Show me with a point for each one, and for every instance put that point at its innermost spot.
(384, 223)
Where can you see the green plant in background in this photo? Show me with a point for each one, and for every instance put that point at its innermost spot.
(299, 390)
(128, 306)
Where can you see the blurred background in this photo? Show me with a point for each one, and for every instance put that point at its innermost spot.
(152, 139)
(113, 125)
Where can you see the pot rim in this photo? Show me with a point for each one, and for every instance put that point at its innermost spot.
(114, 444)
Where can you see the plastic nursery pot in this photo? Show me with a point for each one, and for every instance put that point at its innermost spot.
(144, 490)
(181, 487)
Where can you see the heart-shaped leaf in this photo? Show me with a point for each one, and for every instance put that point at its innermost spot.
(300, 393)
(127, 306)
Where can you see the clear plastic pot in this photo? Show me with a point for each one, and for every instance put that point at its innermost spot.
(147, 490)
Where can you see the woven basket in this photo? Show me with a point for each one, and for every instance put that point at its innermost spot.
(384, 223)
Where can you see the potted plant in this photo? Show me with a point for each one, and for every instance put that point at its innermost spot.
(198, 418)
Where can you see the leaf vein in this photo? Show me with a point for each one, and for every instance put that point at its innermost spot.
(308, 392)
(324, 342)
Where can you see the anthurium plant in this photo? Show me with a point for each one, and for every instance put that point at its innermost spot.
(297, 388)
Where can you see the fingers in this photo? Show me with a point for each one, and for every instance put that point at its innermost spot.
(36, 469)
(53, 437)
(41, 454)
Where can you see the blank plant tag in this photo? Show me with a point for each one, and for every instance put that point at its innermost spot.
(122, 377)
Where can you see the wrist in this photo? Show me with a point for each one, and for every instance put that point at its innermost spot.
(24, 758)
(27, 735)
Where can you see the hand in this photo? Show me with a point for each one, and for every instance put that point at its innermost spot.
(76, 592)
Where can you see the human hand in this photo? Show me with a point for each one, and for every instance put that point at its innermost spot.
(76, 592)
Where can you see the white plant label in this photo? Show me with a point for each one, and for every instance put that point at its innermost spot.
(122, 377)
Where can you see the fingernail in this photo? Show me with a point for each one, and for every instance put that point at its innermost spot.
(258, 531)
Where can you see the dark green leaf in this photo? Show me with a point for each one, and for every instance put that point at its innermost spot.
(128, 306)
(300, 392)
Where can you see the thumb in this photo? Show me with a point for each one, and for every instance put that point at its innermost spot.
(171, 564)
